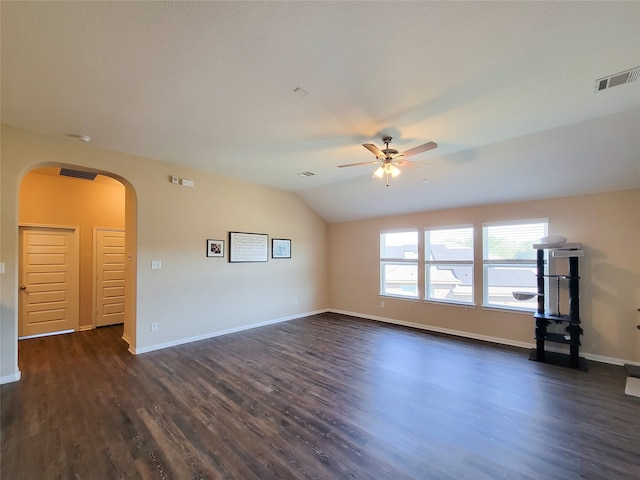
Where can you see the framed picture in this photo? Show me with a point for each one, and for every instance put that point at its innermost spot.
(248, 247)
(280, 248)
(215, 248)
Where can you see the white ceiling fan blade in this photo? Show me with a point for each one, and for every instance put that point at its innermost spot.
(373, 149)
(359, 163)
(409, 163)
(420, 148)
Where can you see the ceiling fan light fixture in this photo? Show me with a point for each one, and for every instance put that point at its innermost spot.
(389, 157)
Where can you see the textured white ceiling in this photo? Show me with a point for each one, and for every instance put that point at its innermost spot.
(506, 89)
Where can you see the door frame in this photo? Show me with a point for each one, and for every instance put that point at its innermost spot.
(74, 272)
(94, 301)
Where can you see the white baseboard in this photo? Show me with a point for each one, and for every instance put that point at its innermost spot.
(447, 331)
(485, 338)
(182, 341)
(61, 332)
(10, 378)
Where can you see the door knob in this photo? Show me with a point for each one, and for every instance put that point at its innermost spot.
(23, 287)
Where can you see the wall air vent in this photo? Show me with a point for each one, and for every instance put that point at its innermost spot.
(68, 172)
(621, 78)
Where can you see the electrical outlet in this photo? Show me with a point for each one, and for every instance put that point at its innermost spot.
(153, 326)
(156, 264)
(295, 302)
(381, 304)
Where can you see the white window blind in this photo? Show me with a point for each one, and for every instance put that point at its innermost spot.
(449, 264)
(509, 261)
(399, 264)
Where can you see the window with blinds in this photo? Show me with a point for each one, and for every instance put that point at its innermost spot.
(449, 264)
(399, 264)
(509, 261)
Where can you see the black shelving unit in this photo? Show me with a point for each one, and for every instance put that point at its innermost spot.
(571, 321)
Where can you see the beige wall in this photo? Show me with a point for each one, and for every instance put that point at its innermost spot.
(192, 295)
(56, 200)
(608, 225)
(333, 266)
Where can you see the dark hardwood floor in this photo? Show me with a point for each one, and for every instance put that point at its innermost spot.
(324, 397)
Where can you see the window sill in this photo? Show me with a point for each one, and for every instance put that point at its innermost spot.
(497, 308)
(451, 304)
(398, 297)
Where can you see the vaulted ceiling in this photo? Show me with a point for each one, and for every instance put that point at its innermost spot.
(265, 90)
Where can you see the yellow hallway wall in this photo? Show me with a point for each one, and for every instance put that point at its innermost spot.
(55, 200)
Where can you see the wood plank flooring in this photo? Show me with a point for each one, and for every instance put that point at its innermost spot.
(323, 397)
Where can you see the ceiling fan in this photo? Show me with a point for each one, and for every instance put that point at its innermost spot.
(390, 158)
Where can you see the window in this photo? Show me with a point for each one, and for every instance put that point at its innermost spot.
(510, 262)
(449, 264)
(399, 264)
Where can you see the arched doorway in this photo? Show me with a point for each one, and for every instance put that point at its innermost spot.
(53, 199)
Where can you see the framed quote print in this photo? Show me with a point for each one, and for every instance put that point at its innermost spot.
(248, 247)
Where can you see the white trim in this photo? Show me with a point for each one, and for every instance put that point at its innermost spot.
(10, 378)
(525, 221)
(430, 328)
(48, 334)
(205, 336)
(94, 293)
(401, 230)
(609, 360)
(450, 227)
(450, 303)
(484, 338)
(49, 225)
(503, 309)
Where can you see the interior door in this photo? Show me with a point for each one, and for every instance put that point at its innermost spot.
(109, 288)
(48, 272)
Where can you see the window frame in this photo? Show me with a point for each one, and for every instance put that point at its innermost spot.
(384, 261)
(428, 263)
(515, 262)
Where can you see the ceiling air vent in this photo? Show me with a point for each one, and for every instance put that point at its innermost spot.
(306, 174)
(621, 78)
(68, 172)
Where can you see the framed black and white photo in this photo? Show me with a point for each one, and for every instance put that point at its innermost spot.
(280, 248)
(215, 248)
(248, 247)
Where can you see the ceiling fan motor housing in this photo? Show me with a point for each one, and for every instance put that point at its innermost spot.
(390, 152)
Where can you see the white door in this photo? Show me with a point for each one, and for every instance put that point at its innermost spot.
(109, 286)
(48, 273)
